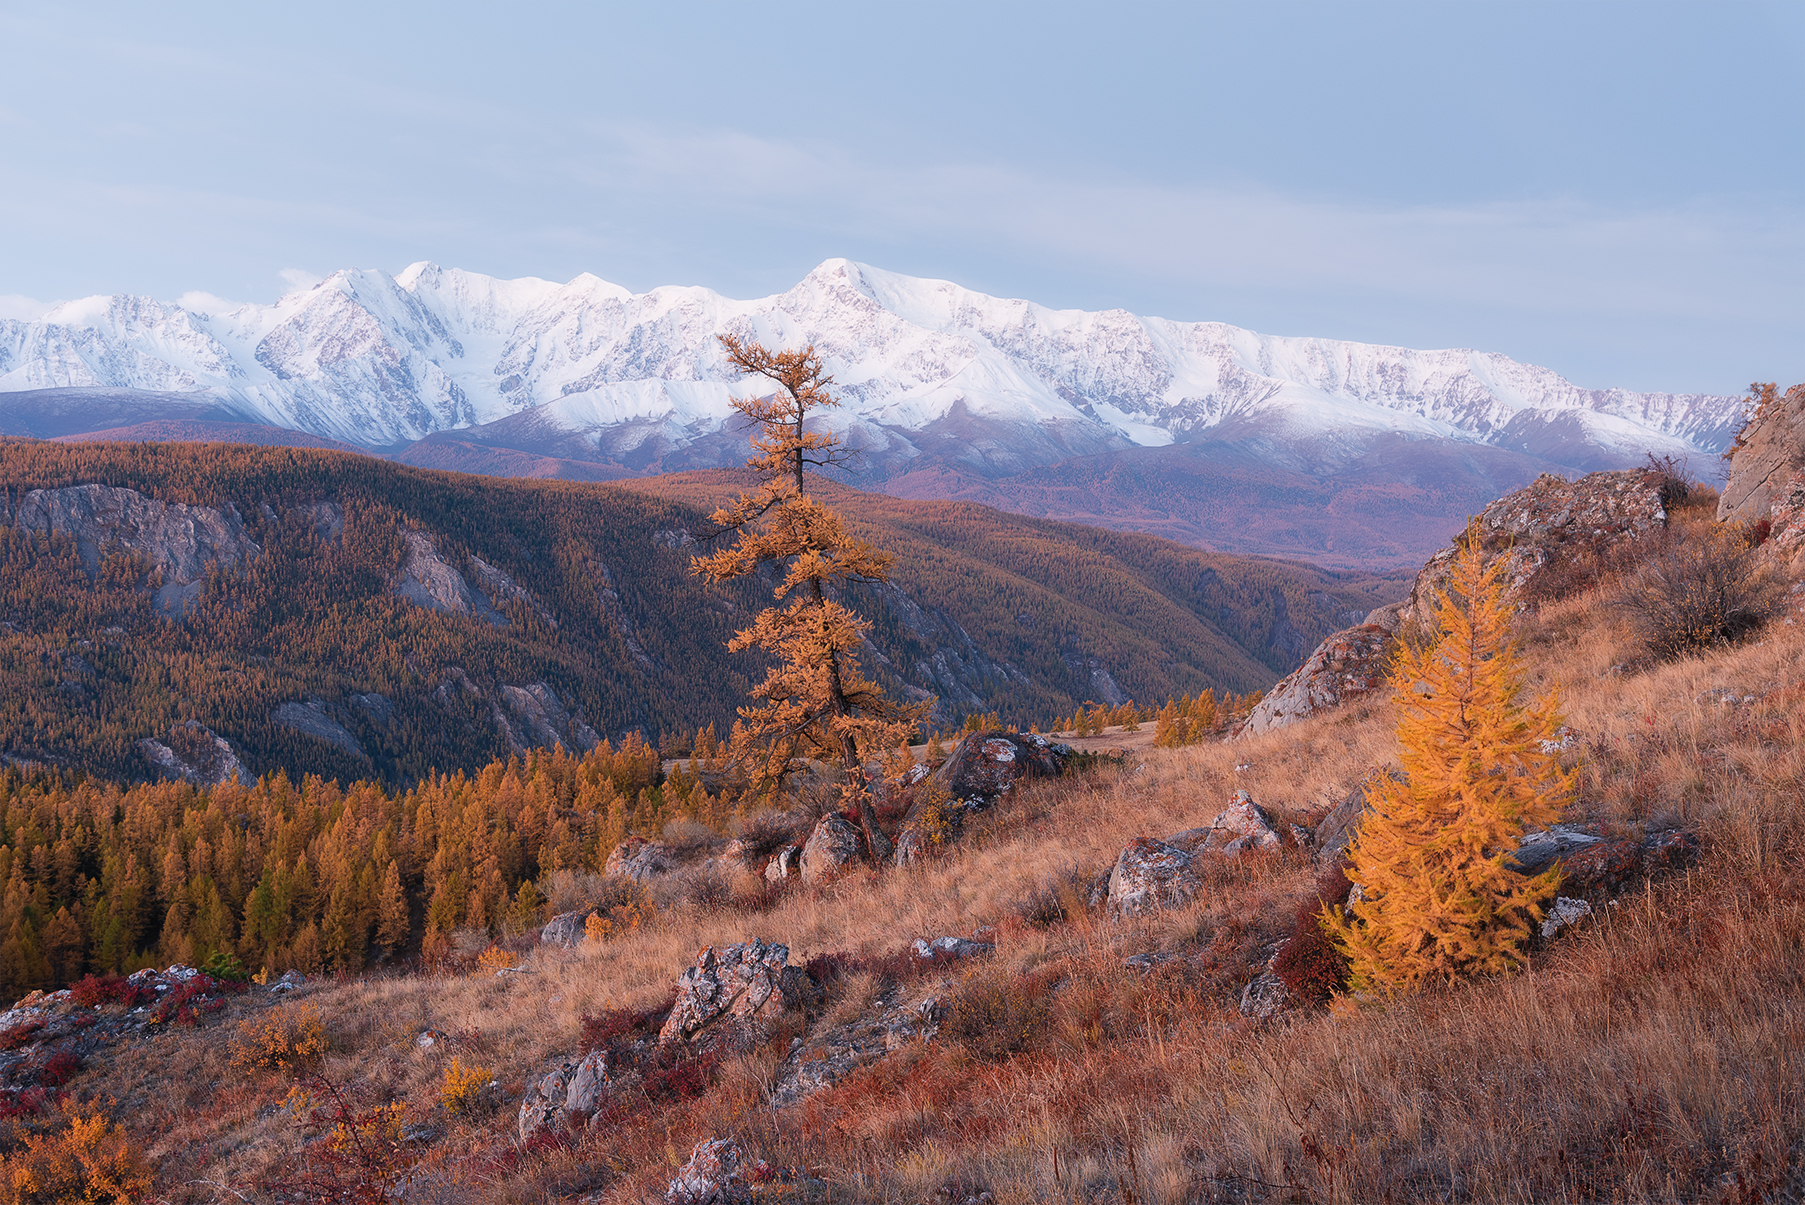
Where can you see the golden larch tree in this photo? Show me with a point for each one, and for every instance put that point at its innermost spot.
(815, 701)
(1440, 898)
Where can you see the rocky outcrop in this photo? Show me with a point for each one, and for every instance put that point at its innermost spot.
(180, 543)
(313, 719)
(542, 1105)
(1150, 874)
(1343, 667)
(639, 859)
(784, 863)
(982, 768)
(195, 754)
(835, 848)
(1546, 523)
(987, 765)
(502, 590)
(427, 581)
(544, 717)
(720, 1173)
(1769, 451)
(740, 983)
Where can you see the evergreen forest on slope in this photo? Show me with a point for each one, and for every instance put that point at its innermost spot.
(597, 615)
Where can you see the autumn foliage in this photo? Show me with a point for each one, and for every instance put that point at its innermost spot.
(815, 701)
(1440, 898)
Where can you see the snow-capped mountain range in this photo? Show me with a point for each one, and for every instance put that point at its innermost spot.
(928, 372)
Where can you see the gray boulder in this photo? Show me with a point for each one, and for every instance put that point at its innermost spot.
(835, 848)
(1150, 874)
(566, 929)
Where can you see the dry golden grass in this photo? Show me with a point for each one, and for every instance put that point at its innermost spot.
(1655, 1056)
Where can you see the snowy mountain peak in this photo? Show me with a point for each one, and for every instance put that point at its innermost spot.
(380, 360)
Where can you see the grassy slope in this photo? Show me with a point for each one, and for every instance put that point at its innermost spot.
(1653, 1056)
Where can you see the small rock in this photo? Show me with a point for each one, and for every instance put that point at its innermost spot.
(1563, 914)
(957, 947)
(833, 849)
(718, 1173)
(1265, 997)
(430, 1038)
(783, 864)
(565, 929)
(1536, 852)
(1243, 825)
(542, 1104)
(1146, 962)
(587, 1083)
(1151, 874)
(289, 982)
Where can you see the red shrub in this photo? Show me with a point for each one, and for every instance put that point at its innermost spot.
(1310, 965)
(19, 1035)
(616, 1023)
(59, 1068)
(92, 992)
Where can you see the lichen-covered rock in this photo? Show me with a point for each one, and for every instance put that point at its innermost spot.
(542, 1104)
(952, 947)
(742, 981)
(639, 859)
(1769, 450)
(1538, 851)
(1336, 829)
(1265, 997)
(829, 1056)
(718, 1173)
(1564, 913)
(832, 850)
(181, 542)
(588, 1080)
(784, 863)
(1343, 667)
(1150, 874)
(1242, 825)
(987, 765)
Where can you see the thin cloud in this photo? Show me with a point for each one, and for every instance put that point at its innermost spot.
(23, 309)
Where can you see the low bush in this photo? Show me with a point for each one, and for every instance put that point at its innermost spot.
(89, 1160)
(462, 1086)
(995, 1014)
(288, 1038)
(1696, 590)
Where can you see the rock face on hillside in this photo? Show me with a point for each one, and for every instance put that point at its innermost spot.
(1545, 524)
(1770, 451)
(194, 754)
(1343, 667)
(427, 581)
(181, 542)
(1548, 522)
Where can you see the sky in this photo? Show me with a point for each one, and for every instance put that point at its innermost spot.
(1616, 191)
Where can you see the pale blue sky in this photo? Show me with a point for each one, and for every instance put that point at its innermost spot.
(1614, 190)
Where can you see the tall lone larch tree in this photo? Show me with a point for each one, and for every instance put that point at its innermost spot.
(1439, 897)
(815, 701)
